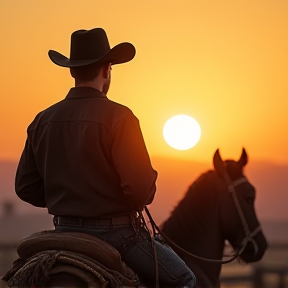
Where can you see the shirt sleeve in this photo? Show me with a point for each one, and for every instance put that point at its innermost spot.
(29, 185)
(132, 162)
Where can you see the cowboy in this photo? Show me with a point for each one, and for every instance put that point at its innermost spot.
(85, 160)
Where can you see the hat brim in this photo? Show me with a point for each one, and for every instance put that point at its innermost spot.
(121, 53)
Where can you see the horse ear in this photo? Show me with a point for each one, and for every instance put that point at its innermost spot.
(243, 159)
(218, 163)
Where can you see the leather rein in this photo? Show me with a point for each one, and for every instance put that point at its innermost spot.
(249, 236)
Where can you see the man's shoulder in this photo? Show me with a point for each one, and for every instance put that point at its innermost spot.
(105, 112)
(120, 109)
(39, 116)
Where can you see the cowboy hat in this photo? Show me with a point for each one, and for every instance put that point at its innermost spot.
(92, 46)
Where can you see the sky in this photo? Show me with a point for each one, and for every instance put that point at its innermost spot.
(223, 62)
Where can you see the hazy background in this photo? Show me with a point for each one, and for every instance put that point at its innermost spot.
(223, 62)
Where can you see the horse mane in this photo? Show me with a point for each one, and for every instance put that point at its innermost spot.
(197, 202)
(203, 186)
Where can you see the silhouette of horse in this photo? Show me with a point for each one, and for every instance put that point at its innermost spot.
(218, 206)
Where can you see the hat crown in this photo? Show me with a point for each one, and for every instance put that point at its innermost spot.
(89, 44)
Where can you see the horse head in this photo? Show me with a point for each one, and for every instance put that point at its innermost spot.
(218, 206)
(238, 218)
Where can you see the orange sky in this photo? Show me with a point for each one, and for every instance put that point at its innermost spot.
(225, 63)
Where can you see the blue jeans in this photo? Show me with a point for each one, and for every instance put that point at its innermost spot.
(137, 253)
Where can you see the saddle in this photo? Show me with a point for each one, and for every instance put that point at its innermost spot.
(50, 252)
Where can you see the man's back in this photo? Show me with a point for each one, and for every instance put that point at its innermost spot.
(77, 148)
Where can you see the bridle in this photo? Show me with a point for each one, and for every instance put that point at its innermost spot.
(249, 236)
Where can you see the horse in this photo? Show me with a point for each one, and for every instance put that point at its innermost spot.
(218, 206)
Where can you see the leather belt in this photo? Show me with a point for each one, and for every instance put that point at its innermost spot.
(91, 222)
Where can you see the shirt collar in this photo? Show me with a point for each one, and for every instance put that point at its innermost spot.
(85, 92)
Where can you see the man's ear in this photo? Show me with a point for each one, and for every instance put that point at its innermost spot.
(106, 70)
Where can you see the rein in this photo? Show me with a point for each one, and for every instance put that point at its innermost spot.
(248, 235)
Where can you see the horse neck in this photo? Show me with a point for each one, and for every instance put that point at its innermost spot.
(194, 225)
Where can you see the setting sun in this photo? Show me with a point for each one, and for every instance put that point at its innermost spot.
(181, 132)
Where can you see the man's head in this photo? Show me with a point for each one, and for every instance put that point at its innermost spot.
(93, 75)
(91, 56)
(86, 73)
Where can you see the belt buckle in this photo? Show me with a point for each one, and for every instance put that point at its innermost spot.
(118, 221)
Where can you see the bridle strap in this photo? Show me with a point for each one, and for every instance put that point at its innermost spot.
(238, 181)
(248, 234)
(249, 238)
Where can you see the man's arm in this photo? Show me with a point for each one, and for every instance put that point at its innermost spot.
(29, 185)
(132, 162)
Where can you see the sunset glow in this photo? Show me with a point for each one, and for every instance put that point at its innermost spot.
(224, 62)
(182, 132)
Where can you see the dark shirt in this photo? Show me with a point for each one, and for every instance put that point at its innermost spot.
(85, 157)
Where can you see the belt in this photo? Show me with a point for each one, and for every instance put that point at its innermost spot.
(92, 222)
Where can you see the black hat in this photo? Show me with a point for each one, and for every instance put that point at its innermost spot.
(92, 46)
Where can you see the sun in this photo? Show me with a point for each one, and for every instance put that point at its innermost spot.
(182, 132)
